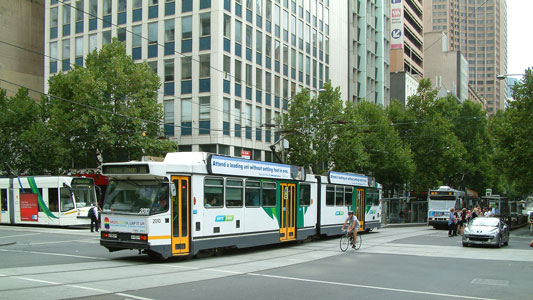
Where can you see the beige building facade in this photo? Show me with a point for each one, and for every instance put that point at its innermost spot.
(407, 37)
(477, 28)
(22, 46)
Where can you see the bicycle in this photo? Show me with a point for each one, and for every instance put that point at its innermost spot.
(347, 240)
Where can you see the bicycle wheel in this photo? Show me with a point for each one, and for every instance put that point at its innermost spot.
(344, 243)
(358, 242)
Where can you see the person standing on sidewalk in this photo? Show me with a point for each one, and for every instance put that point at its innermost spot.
(93, 214)
(452, 221)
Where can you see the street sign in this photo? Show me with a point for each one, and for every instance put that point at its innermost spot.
(488, 192)
(245, 154)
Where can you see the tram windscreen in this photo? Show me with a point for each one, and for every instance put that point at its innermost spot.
(142, 197)
(84, 193)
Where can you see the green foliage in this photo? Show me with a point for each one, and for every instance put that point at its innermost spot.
(101, 111)
(28, 145)
(437, 151)
(512, 131)
(310, 127)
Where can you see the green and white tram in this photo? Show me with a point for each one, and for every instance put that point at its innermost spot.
(194, 201)
(46, 200)
(342, 192)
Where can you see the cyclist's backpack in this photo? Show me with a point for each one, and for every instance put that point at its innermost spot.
(91, 213)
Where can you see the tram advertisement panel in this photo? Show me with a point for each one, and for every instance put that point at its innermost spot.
(125, 224)
(251, 168)
(29, 210)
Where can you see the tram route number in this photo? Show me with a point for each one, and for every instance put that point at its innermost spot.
(144, 211)
(156, 221)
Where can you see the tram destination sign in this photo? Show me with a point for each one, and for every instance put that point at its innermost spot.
(125, 169)
(250, 168)
(349, 179)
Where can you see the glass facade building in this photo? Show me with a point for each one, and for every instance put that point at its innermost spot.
(228, 68)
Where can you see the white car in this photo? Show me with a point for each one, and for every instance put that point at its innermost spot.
(486, 231)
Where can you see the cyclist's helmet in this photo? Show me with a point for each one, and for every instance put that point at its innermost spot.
(350, 212)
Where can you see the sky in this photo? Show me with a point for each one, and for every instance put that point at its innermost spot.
(519, 37)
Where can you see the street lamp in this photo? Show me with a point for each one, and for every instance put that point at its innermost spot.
(503, 76)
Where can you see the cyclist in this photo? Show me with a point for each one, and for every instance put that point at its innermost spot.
(352, 222)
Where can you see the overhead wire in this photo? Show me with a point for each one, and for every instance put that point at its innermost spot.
(243, 128)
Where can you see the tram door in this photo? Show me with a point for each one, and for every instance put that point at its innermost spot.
(181, 216)
(360, 207)
(287, 230)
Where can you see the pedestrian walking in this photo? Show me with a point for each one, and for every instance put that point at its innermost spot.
(452, 222)
(93, 214)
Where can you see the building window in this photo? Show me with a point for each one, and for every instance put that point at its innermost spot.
(186, 67)
(152, 40)
(226, 104)
(237, 118)
(186, 117)
(136, 40)
(205, 24)
(169, 117)
(258, 122)
(204, 115)
(248, 120)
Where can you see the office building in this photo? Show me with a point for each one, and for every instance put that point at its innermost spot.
(448, 70)
(228, 68)
(362, 50)
(477, 28)
(22, 46)
(407, 46)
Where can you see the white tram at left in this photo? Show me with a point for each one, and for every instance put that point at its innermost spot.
(194, 201)
(46, 200)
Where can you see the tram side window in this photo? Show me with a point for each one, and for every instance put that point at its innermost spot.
(330, 195)
(66, 201)
(269, 194)
(3, 199)
(305, 194)
(252, 193)
(339, 196)
(233, 193)
(348, 196)
(213, 192)
(53, 199)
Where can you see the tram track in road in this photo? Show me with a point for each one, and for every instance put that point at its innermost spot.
(214, 268)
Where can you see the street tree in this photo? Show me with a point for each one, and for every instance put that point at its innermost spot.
(512, 130)
(437, 151)
(28, 145)
(107, 110)
(310, 127)
(390, 159)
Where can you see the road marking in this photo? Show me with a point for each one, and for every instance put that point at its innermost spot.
(370, 287)
(132, 296)
(490, 282)
(37, 280)
(83, 288)
(17, 235)
(55, 254)
(69, 241)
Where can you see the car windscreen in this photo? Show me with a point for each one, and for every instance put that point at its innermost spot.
(480, 221)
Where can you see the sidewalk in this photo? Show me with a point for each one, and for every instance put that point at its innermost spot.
(403, 225)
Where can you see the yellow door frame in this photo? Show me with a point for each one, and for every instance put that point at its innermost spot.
(180, 208)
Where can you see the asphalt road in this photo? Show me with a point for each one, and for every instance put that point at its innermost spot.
(393, 263)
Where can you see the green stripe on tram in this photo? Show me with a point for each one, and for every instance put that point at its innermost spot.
(40, 201)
